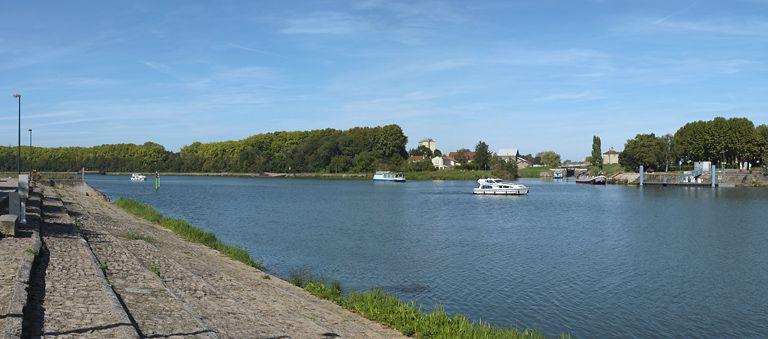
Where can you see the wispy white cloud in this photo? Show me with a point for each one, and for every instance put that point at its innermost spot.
(90, 82)
(752, 27)
(43, 115)
(334, 23)
(160, 67)
(75, 121)
(424, 10)
(577, 96)
(233, 45)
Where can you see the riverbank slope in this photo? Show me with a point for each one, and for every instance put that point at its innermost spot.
(171, 287)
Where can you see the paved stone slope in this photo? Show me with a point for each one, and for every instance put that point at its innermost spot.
(174, 287)
(73, 298)
(16, 257)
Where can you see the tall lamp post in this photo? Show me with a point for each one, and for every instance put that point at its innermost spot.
(30, 153)
(18, 159)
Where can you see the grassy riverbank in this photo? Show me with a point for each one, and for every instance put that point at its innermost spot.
(449, 174)
(408, 318)
(187, 231)
(532, 172)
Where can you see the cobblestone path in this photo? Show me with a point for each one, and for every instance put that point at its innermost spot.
(173, 287)
(75, 299)
(16, 256)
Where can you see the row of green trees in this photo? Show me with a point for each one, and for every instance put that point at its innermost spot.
(360, 149)
(722, 141)
(484, 160)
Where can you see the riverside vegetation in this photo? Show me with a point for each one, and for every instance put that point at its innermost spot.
(720, 140)
(360, 149)
(409, 318)
(325, 151)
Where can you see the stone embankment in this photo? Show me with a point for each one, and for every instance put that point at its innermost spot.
(16, 257)
(100, 272)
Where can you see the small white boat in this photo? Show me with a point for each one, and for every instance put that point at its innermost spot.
(493, 186)
(137, 177)
(388, 176)
(557, 174)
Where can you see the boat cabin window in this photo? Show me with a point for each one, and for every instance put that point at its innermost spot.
(486, 187)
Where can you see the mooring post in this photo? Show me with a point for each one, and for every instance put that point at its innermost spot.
(714, 176)
(642, 171)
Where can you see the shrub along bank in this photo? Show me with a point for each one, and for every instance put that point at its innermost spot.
(408, 318)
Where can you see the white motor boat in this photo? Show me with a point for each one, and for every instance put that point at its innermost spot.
(557, 174)
(388, 176)
(137, 177)
(493, 186)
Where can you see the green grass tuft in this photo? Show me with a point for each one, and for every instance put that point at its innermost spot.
(410, 319)
(187, 231)
(302, 276)
(154, 268)
(135, 236)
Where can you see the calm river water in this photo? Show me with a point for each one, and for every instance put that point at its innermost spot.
(589, 260)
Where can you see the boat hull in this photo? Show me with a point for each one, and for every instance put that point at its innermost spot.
(389, 179)
(599, 180)
(500, 191)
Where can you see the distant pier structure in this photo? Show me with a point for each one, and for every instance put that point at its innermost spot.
(689, 178)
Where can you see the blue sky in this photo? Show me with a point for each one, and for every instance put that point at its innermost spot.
(536, 75)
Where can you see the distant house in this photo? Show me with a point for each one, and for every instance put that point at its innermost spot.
(439, 163)
(610, 157)
(508, 154)
(448, 162)
(523, 163)
(452, 156)
(429, 143)
(416, 158)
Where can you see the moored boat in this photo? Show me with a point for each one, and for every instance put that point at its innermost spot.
(596, 180)
(388, 176)
(137, 177)
(493, 186)
(557, 174)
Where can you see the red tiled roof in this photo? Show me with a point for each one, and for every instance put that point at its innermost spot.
(452, 155)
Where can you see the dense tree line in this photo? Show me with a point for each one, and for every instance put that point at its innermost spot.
(360, 149)
(721, 140)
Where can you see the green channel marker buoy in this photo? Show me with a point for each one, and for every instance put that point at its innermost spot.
(157, 181)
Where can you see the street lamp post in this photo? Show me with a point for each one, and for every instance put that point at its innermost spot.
(18, 159)
(30, 153)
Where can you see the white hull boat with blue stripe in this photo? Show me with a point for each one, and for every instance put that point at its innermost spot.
(492, 186)
(388, 176)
